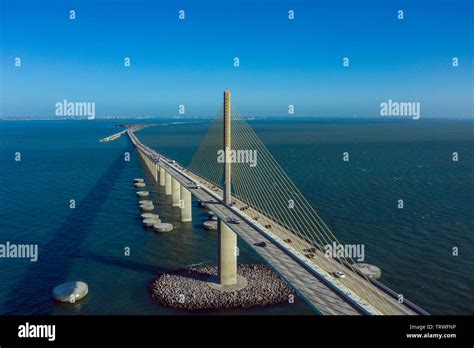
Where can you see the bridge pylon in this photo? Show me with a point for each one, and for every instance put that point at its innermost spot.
(227, 239)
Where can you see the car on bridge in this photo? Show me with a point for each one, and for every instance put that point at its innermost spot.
(338, 274)
(310, 250)
(261, 244)
(235, 221)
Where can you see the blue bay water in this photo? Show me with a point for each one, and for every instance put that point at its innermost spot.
(389, 160)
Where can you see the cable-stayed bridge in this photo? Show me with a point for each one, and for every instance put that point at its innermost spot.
(242, 183)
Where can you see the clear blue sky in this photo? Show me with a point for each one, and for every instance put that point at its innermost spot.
(283, 62)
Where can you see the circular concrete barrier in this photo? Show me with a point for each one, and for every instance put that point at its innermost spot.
(140, 184)
(138, 180)
(149, 216)
(143, 193)
(369, 270)
(210, 225)
(70, 291)
(163, 227)
(210, 214)
(145, 202)
(151, 222)
(147, 207)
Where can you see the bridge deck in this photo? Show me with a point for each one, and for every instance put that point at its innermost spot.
(324, 296)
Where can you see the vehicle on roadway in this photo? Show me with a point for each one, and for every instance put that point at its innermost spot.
(235, 221)
(310, 250)
(339, 274)
(261, 244)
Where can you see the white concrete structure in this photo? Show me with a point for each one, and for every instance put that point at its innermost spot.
(227, 244)
(70, 291)
(162, 177)
(175, 192)
(167, 184)
(186, 209)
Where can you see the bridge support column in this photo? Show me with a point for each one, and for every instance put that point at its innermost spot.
(175, 192)
(155, 171)
(227, 253)
(227, 258)
(186, 210)
(167, 184)
(162, 177)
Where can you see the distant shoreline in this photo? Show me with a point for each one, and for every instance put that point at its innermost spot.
(256, 118)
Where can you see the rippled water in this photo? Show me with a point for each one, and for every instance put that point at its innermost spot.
(357, 199)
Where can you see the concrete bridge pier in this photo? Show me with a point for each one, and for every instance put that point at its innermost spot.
(155, 171)
(186, 210)
(162, 177)
(227, 263)
(147, 162)
(175, 192)
(167, 184)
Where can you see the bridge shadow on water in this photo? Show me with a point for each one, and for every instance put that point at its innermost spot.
(32, 294)
(153, 270)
